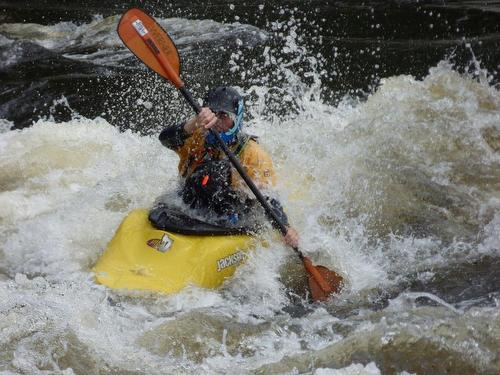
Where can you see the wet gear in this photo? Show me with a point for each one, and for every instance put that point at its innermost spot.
(209, 187)
(173, 136)
(194, 152)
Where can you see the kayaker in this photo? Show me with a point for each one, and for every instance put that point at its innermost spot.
(209, 180)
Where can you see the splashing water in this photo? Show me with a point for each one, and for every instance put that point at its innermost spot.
(398, 190)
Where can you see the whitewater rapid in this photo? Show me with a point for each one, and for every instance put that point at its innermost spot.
(398, 188)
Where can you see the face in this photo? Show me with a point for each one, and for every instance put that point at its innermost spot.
(224, 122)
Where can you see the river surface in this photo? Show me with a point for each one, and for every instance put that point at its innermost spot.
(383, 120)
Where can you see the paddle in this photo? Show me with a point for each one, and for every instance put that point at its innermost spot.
(152, 45)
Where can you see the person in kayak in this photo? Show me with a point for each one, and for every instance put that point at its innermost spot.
(209, 180)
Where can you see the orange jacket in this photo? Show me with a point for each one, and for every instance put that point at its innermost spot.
(256, 162)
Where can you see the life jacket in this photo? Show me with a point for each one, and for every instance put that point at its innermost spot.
(255, 161)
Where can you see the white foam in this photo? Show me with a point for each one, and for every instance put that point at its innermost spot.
(65, 188)
(5, 125)
(354, 369)
(69, 185)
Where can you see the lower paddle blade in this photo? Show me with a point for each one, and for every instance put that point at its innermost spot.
(147, 40)
(334, 281)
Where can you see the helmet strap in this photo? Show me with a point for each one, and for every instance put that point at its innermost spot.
(237, 121)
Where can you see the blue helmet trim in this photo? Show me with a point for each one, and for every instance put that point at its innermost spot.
(238, 120)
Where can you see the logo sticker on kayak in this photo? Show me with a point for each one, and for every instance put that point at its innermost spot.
(162, 245)
(230, 260)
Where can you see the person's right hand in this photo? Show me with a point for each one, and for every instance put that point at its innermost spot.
(206, 118)
(291, 238)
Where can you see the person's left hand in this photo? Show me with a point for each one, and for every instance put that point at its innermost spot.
(291, 238)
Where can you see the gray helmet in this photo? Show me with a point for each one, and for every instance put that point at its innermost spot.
(224, 99)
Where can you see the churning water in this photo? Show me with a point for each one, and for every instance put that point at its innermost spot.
(398, 191)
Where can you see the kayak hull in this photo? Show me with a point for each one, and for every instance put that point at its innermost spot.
(142, 257)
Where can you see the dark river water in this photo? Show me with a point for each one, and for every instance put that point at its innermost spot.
(383, 120)
(359, 43)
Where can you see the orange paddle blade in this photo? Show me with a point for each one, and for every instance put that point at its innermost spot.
(151, 44)
(322, 281)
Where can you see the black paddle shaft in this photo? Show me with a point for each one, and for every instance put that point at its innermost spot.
(236, 163)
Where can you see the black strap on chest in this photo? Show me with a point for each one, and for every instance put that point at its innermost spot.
(237, 147)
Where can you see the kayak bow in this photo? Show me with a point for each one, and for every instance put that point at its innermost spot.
(142, 257)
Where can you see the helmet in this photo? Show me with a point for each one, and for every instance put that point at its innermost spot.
(225, 99)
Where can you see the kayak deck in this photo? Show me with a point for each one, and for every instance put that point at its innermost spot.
(145, 258)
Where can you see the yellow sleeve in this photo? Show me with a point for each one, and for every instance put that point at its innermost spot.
(192, 149)
(258, 165)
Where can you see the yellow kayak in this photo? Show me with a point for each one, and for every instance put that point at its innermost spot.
(145, 258)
